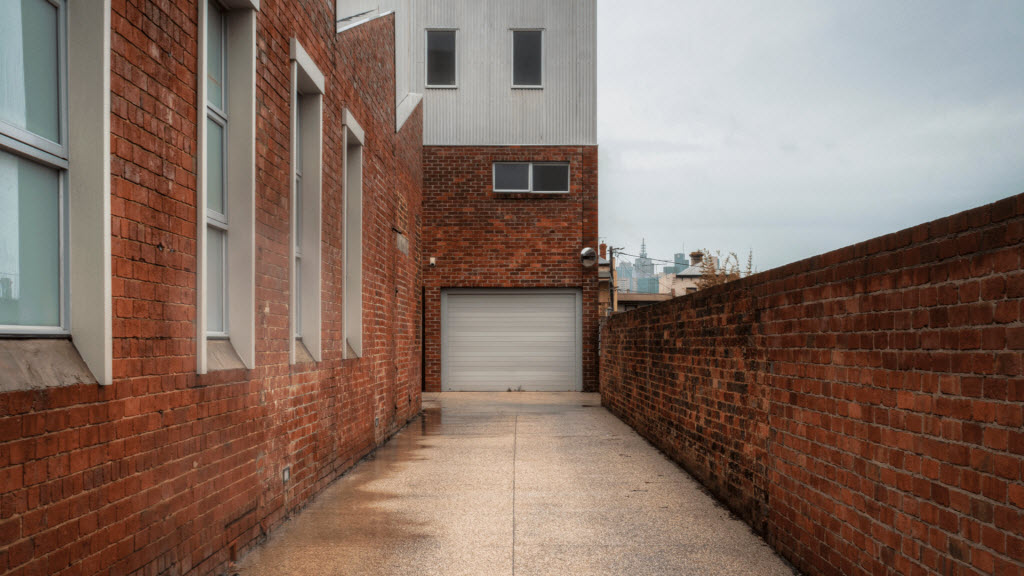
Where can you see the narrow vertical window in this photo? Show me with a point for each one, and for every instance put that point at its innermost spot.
(353, 287)
(307, 168)
(216, 175)
(297, 210)
(527, 58)
(33, 167)
(441, 58)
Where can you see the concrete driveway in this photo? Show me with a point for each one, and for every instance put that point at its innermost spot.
(514, 483)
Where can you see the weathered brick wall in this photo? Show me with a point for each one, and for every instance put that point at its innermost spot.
(862, 409)
(483, 239)
(167, 472)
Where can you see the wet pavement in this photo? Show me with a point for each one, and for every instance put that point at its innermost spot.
(516, 483)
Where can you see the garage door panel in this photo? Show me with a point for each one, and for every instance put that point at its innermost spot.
(499, 340)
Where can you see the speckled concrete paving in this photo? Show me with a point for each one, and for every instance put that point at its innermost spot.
(514, 483)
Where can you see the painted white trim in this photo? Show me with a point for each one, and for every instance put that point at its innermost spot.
(241, 165)
(310, 79)
(240, 169)
(405, 109)
(349, 25)
(307, 89)
(89, 185)
(311, 114)
(352, 194)
(349, 121)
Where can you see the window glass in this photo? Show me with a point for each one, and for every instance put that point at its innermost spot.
(215, 55)
(29, 243)
(550, 178)
(215, 280)
(526, 58)
(512, 177)
(30, 67)
(440, 57)
(215, 167)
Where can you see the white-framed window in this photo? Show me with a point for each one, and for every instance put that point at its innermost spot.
(307, 167)
(55, 274)
(528, 58)
(33, 168)
(531, 177)
(352, 291)
(226, 327)
(216, 174)
(442, 66)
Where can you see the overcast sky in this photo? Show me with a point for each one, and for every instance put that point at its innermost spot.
(798, 127)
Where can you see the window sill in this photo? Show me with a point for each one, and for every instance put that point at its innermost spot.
(433, 87)
(38, 363)
(526, 195)
(302, 355)
(517, 87)
(221, 355)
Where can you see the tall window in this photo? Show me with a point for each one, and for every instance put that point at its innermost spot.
(297, 211)
(353, 285)
(527, 58)
(216, 174)
(307, 169)
(33, 167)
(441, 58)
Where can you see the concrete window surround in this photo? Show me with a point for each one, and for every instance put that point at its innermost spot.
(240, 162)
(353, 139)
(88, 357)
(307, 90)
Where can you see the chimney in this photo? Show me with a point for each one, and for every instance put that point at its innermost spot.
(696, 258)
(603, 250)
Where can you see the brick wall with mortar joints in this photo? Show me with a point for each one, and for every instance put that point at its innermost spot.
(484, 239)
(165, 472)
(862, 409)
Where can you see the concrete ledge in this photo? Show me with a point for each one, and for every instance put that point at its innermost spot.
(35, 364)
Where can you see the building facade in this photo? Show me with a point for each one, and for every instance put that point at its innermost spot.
(510, 192)
(210, 240)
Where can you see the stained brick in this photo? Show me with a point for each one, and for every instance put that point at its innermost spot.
(165, 470)
(800, 453)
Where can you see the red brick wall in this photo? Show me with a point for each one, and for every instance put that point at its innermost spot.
(483, 239)
(167, 472)
(862, 409)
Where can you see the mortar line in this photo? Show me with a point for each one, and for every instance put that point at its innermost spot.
(515, 449)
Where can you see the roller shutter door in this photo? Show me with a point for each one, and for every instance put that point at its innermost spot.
(499, 340)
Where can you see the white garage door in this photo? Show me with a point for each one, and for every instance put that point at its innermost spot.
(499, 340)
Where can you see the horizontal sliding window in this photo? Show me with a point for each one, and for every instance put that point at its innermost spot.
(531, 177)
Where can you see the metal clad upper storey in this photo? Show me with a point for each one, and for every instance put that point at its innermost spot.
(484, 108)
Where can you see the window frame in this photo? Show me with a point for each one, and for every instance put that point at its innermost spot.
(238, 349)
(512, 71)
(306, 152)
(32, 147)
(215, 219)
(353, 160)
(299, 216)
(530, 190)
(426, 59)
